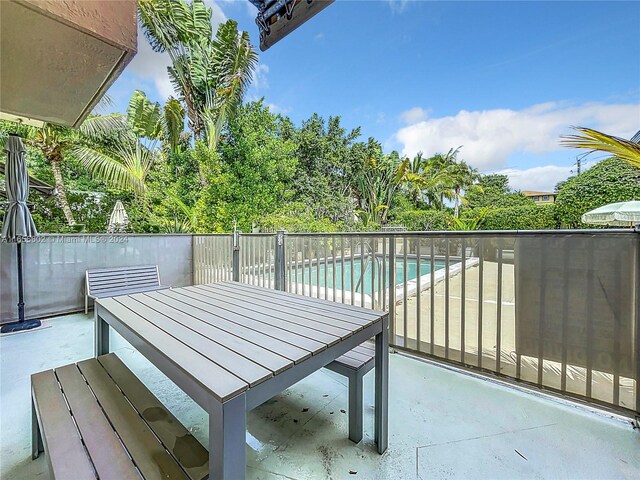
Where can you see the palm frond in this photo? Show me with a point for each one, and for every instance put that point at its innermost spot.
(173, 123)
(126, 168)
(593, 140)
(101, 127)
(144, 116)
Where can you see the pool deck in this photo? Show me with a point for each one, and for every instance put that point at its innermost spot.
(444, 423)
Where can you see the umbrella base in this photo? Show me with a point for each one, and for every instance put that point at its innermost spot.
(20, 326)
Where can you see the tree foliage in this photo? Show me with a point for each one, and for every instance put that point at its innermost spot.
(522, 217)
(252, 175)
(612, 180)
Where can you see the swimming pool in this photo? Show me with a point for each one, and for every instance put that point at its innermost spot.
(309, 275)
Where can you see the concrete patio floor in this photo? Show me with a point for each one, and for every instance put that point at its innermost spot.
(442, 423)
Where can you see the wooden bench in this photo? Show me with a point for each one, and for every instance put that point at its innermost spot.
(111, 282)
(95, 419)
(354, 365)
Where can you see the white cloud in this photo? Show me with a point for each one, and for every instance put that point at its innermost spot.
(277, 109)
(490, 137)
(260, 80)
(537, 178)
(150, 65)
(414, 115)
(319, 37)
(217, 15)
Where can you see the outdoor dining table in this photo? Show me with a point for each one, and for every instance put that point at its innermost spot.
(231, 347)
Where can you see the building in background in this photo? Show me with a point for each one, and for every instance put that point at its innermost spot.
(540, 197)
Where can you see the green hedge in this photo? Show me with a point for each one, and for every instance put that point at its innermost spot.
(420, 220)
(609, 181)
(527, 217)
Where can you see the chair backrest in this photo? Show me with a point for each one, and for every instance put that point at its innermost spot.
(104, 280)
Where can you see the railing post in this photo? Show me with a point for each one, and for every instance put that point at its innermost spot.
(236, 256)
(392, 289)
(279, 270)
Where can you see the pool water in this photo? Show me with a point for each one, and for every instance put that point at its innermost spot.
(326, 273)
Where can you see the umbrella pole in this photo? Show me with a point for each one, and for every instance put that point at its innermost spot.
(20, 284)
(21, 324)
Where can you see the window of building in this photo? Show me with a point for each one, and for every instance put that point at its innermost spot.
(536, 198)
(545, 197)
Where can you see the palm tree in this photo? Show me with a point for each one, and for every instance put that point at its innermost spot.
(211, 74)
(426, 180)
(123, 156)
(56, 142)
(110, 146)
(378, 181)
(462, 176)
(593, 140)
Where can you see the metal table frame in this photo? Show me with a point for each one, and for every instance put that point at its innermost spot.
(227, 420)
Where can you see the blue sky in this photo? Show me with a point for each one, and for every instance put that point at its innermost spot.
(502, 79)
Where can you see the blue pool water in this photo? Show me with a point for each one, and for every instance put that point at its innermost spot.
(325, 277)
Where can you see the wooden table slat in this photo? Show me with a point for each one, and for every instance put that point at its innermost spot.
(275, 339)
(149, 455)
(364, 312)
(309, 311)
(248, 370)
(328, 307)
(221, 383)
(240, 347)
(109, 457)
(325, 339)
(67, 456)
(252, 308)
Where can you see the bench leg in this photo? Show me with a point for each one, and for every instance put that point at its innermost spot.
(37, 446)
(355, 407)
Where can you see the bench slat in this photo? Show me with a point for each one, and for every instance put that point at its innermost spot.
(360, 357)
(108, 270)
(124, 281)
(349, 362)
(109, 457)
(153, 461)
(122, 288)
(66, 455)
(120, 281)
(193, 457)
(93, 278)
(357, 358)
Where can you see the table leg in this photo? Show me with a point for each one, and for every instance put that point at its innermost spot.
(101, 334)
(227, 436)
(382, 387)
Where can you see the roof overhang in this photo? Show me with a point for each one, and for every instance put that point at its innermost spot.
(58, 58)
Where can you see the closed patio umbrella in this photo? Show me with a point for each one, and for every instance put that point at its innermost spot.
(18, 224)
(119, 219)
(618, 214)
